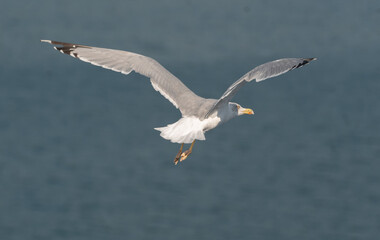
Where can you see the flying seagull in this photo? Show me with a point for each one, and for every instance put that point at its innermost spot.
(199, 114)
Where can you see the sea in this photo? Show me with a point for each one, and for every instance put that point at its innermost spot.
(80, 159)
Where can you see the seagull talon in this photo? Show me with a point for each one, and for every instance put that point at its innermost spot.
(184, 155)
(177, 157)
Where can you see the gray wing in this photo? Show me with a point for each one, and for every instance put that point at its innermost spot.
(260, 73)
(125, 62)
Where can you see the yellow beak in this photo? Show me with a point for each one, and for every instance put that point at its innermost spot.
(248, 111)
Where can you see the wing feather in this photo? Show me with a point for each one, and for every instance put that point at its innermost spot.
(260, 73)
(125, 62)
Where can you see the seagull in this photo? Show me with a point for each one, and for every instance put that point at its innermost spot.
(199, 114)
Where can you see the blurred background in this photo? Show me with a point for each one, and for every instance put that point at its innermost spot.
(79, 158)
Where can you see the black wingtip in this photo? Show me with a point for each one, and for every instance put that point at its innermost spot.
(66, 48)
(304, 62)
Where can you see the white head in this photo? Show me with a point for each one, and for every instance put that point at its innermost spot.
(239, 110)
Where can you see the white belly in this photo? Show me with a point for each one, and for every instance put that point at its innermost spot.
(210, 123)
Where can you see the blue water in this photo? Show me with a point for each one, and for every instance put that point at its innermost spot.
(79, 158)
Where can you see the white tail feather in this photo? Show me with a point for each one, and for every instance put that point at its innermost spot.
(185, 130)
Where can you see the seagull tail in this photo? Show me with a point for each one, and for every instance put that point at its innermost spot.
(185, 130)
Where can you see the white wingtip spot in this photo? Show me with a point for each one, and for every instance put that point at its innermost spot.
(48, 41)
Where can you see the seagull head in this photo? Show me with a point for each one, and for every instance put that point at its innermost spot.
(239, 110)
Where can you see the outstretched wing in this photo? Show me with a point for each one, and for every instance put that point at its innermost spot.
(125, 62)
(260, 73)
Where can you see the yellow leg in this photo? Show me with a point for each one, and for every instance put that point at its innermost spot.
(176, 159)
(186, 153)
